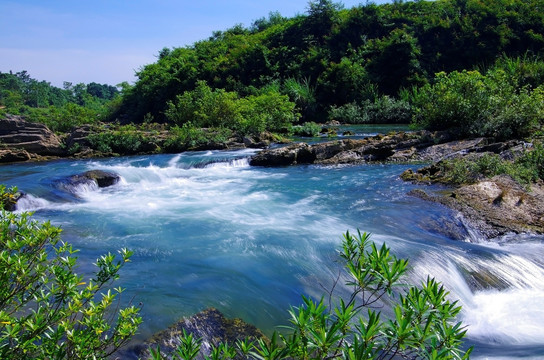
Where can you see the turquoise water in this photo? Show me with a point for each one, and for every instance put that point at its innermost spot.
(209, 230)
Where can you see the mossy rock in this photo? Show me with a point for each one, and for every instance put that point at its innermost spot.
(210, 325)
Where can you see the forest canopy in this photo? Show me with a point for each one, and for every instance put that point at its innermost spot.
(333, 56)
(367, 64)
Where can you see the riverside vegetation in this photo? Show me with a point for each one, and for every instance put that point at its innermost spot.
(48, 311)
(474, 66)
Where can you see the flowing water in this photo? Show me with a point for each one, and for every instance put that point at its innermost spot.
(209, 230)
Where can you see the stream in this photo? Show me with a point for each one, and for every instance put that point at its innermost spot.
(208, 230)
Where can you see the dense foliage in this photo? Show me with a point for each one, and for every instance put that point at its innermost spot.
(470, 64)
(204, 108)
(422, 326)
(506, 102)
(342, 58)
(60, 109)
(47, 310)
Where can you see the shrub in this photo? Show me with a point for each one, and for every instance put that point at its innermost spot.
(204, 107)
(422, 325)
(347, 114)
(387, 110)
(383, 110)
(309, 129)
(498, 104)
(189, 137)
(47, 311)
(125, 140)
(269, 111)
(526, 169)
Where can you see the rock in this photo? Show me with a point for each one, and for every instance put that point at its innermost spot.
(78, 141)
(298, 153)
(35, 138)
(450, 149)
(209, 325)
(9, 200)
(14, 155)
(102, 178)
(496, 206)
(394, 147)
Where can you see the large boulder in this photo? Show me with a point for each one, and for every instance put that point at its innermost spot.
(100, 177)
(496, 206)
(210, 325)
(16, 133)
(14, 155)
(298, 153)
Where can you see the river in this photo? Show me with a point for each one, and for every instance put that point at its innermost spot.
(208, 230)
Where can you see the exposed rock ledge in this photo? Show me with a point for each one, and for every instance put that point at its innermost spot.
(496, 206)
(25, 140)
(397, 147)
(209, 325)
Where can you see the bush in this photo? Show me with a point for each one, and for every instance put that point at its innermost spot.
(526, 169)
(498, 104)
(387, 110)
(125, 140)
(47, 311)
(347, 114)
(188, 137)
(309, 129)
(422, 326)
(204, 107)
(383, 110)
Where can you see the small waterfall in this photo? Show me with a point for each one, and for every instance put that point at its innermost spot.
(236, 163)
(501, 294)
(31, 203)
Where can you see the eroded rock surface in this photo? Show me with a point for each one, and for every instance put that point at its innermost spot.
(16, 133)
(496, 206)
(209, 325)
(397, 147)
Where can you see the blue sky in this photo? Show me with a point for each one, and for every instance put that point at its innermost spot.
(106, 41)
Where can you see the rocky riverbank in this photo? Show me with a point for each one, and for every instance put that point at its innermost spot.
(21, 141)
(493, 207)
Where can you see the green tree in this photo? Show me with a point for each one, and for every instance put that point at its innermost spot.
(47, 310)
(502, 103)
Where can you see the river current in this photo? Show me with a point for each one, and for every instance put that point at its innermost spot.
(208, 230)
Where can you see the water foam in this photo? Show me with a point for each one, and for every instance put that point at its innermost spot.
(501, 295)
(31, 203)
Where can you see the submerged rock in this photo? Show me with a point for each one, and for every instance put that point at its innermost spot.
(210, 325)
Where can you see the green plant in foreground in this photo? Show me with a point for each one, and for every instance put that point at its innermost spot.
(47, 311)
(422, 325)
